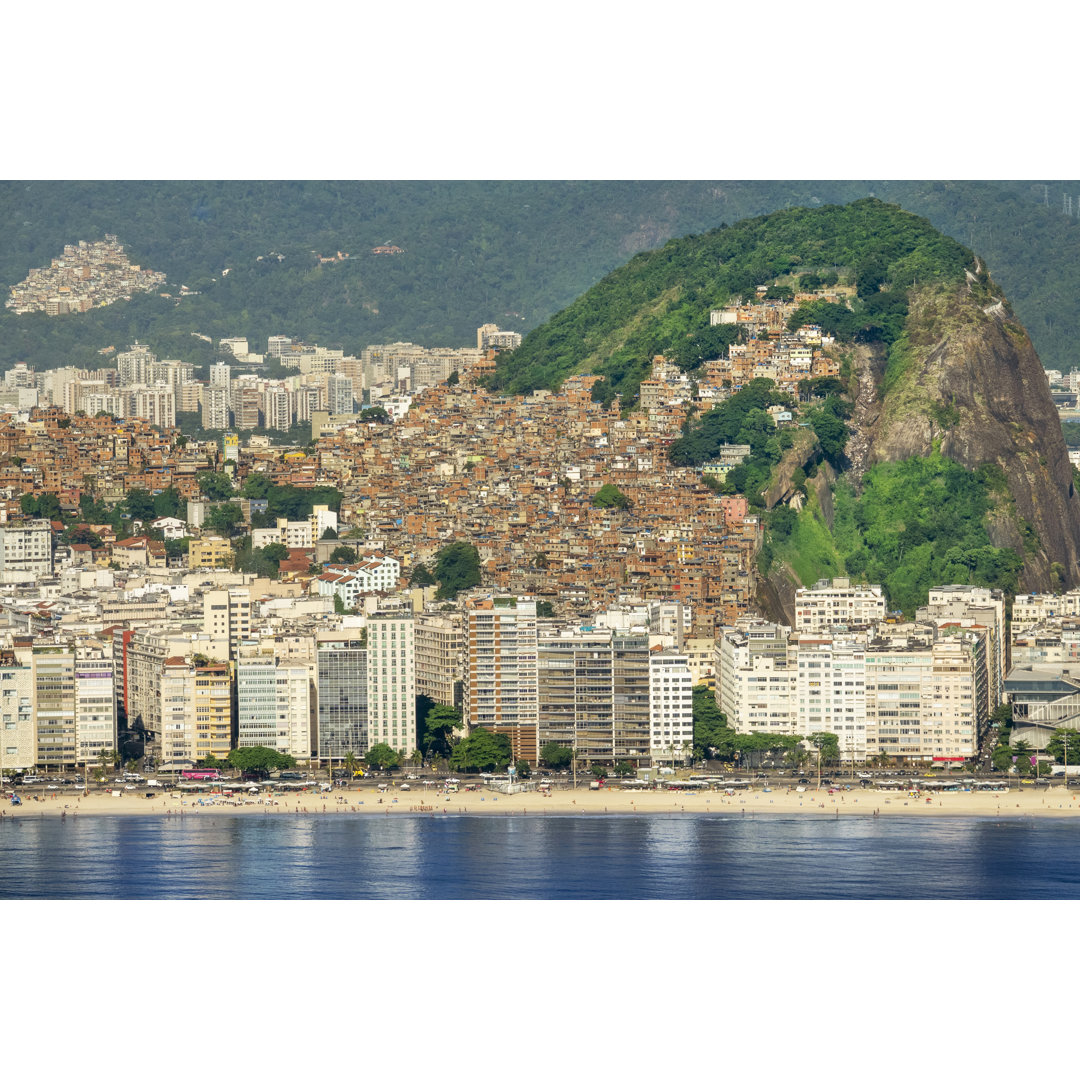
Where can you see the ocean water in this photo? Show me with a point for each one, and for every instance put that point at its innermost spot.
(559, 858)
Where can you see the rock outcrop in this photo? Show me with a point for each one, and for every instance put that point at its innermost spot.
(967, 380)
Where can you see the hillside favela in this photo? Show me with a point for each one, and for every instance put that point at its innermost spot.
(768, 513)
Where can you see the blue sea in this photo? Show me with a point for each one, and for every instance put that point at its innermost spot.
(556, 858)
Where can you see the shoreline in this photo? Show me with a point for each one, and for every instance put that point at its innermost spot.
(855, 803)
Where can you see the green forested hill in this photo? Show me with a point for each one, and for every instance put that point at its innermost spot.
(511, 252)
(659, 301)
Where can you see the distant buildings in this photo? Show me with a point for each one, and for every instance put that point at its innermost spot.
(86, 275)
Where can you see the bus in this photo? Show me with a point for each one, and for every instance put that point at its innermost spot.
(200, 774)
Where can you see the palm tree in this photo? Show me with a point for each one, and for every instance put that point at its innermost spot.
(350, 764)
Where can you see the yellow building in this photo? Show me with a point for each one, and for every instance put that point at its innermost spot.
(209, 552)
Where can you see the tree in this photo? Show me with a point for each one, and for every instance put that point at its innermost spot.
(45, 505)
(623, 768)
(256, 486)
(329, 534)
(554, 756)
(435, 726)
(828, 746)
(523, 769)
(215, 486)
(259, 760)
(598, 771)
(421, 577)
(169, 503)
(83, 534)
(344, 554)
(610, 497)
(1065, 739)
(481, 750)
(376, 413)
(712, 736)
(225, 520)
(1002, 716)
(1023, 752)
(457, 567)
(140, 504)
(350, 763)
(545, 609)
(382, 756)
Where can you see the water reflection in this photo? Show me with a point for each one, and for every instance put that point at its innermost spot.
(619, 856)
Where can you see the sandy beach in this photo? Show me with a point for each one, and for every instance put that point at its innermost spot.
(855, 803)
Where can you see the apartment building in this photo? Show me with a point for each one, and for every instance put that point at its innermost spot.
(500, 690)
(921, 698)
(26, 552)
(215, 407)
(593, 691)
(227, 617)
(275, 702)
(209, 552)
(196, 712)
(755, 678)
(391, 675)
(95, 702)
(671, 706)
(19, 747)
(351, 582)
(972, 607)
(339, 394)
(838, 602)
(1032, 608)
(341, 664)
(54, 705)
(830, 689)
(440, 652)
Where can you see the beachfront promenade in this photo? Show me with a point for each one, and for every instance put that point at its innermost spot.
(1054, 802)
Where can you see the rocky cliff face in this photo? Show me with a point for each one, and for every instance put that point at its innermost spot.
(966, 378)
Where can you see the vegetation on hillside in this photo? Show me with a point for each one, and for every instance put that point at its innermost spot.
(922, 522)
(659, 302)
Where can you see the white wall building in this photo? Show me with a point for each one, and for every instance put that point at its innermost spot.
(26, 551)
(391, 675)
(838, 602)
(275, 703)
(671, 706)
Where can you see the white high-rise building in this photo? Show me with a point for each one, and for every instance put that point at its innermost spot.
(339, 394)
(277, 408)
(830, 690)
(155, 404)
(215, 407)
(227, 615)
(755, 679)
(391, 677)
(275, 703)
(95, 702)
(133, 366)
(671, 707)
